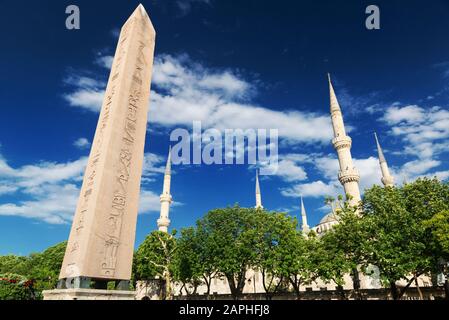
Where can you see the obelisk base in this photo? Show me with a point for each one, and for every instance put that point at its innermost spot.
(88, 294)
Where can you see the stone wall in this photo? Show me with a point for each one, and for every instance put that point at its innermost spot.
(429, 293)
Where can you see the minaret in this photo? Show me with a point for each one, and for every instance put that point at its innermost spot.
(387, 178)
(304, 226)
(166, 199)
(349, 176)
(258, 195)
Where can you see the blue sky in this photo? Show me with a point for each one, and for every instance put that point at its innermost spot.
(230, 64)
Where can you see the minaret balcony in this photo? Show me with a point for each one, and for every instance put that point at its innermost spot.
(342, 142)
(388, 181)
(163, 222)
(166, 198)
(349, 175)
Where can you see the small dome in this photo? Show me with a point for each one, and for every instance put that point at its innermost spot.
(328, 218)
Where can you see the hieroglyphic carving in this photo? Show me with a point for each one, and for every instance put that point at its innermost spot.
(91, 169)
(119, 200)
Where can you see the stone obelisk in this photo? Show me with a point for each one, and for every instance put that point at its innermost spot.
(101, 242)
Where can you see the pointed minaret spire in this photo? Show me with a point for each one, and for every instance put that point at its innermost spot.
(258, 194)
(349, 176)
(166, 199)
(387, 178)
(168, 165)
(304, 226)
(335, 106)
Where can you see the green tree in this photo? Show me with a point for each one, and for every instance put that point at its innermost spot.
(296, 259)
(276, 233)
(14, 264)
(438, 225)
(205, 251)
(331, 263)
(44, 268)
(388, 229)
(231, 234)
(15, 287)
(345, 242)
(155, 259)
(189, 269)
(397, 238)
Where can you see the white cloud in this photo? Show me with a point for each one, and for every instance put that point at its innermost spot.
(55, 206)
(314, 189)
(105, 61)
(86, 98)
(82, 143)
(290, 171)
(51, 189)
(410, 114)
(149, 202)
(442, 175)
(5, 189)
(424, 133)
(328, 168)
(30, 176)
(185, 91)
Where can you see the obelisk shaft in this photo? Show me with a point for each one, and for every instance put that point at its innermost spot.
(101, 242)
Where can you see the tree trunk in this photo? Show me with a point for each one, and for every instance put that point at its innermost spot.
(394, 290)
(168, 294)
(268, 294)
(183, 287)
(418, 288)
(341, 292)
(446, 289)
(401, 293)
(236, 288)
(232, 287)
(356, 284)
(296, 287)
(208, 281)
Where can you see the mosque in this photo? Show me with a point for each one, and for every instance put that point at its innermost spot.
(348, 176)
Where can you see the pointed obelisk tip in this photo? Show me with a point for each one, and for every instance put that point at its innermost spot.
(141, 9)
(141, 14)
(329, 77)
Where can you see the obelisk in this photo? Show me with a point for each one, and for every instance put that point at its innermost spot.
(101, 242)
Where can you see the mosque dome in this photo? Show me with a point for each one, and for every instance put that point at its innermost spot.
(328, 218)
(326, 223)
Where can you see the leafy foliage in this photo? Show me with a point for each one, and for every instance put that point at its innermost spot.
(231, 235)
(439, 228)
(15, 287)
(41, 269)
(154, 259)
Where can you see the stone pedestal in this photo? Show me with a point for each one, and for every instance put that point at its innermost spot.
(88, 294)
